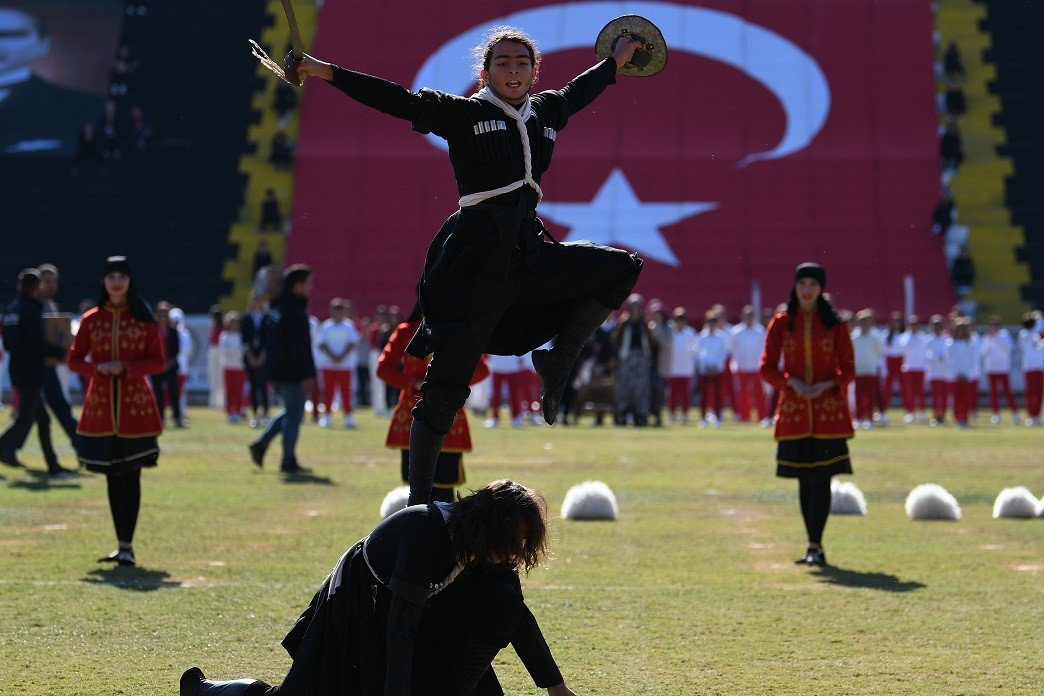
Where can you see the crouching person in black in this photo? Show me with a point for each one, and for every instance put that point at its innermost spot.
(420, 606)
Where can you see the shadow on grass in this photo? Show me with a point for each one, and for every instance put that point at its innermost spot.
(871, 581)
(138, 578)
(39, 482)
(302, 477)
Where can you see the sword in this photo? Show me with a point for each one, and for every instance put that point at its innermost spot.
(288, 70)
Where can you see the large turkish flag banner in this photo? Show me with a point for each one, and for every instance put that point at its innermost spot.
(781, 131)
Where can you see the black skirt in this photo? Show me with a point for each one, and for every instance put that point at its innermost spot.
(113, 455)
(812, 457)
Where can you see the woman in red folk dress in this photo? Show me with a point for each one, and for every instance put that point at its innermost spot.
(117, 347)
(406, 373)
(813, 423)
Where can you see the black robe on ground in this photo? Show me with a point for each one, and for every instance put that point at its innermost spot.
(393, 630)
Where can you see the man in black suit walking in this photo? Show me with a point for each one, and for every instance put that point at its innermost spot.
(24, 340)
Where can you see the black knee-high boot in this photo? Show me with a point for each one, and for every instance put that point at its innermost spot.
(425, 446)
(555, 365)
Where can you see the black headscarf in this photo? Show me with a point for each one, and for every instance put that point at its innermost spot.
(825, 310)
(139, 308)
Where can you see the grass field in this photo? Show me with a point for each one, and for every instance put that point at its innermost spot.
(692, 591)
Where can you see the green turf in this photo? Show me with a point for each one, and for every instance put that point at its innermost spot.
(692, 591)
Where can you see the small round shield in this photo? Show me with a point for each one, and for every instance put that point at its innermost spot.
(647, 60)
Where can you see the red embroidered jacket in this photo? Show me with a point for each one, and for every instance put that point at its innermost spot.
(122, 405)
(392, 357)
(812, 354)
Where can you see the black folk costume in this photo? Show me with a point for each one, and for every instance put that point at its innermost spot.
(397, 617)
(494, 280)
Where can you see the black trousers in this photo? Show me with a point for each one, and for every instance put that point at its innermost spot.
(29, 404)
(564, 275)
(169, 380)
(258, 389)
(56, 401)
(362, 376)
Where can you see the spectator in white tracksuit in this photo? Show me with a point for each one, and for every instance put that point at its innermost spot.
(506, 373)
(996, 347)
(746, 344)
(1031, 344)
(229, 354)
(185, 350)
(713, 348)
(682, 368)
(868, 351)
(914, 345)
(962, 358)
(336, 344)
(936, 370)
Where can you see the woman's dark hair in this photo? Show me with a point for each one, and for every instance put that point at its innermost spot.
(826, 312)
(139, 308)
(503, 519)
(483, 53)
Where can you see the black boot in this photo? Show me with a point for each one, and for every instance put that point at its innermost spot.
(195, 683)
(425, 446)
(555, 365)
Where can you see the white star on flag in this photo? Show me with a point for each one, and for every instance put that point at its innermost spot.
(615, 216)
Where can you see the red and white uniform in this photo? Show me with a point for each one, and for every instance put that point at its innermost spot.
(338, 337)
(937, 373)
(229, 356)
(1031, 343)
(508, 372)
(962, 359)
(746, 346)
(915, 359)
(996, 361)
(682, 368)
(712, 348)
(893, 367)
(997, 364)
(868, 349)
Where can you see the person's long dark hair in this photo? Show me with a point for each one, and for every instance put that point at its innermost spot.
(824, 309)
(139, 308)
(503, 519)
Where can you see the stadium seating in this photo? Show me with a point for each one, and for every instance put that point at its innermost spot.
(979, 185)
(1018, 30)
(170, 208)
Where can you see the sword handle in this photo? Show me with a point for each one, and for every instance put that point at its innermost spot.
(290, 63)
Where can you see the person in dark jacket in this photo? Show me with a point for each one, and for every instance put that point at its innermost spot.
(291, 366)
(422, 605)
(254, 331)
(167, 381)
(24, 341)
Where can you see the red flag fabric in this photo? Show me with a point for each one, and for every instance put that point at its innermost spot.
(780, 132)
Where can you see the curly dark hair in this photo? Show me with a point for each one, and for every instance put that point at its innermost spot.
(502, 520)
(483, 53)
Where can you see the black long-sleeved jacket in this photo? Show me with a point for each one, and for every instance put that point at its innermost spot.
(24, 341)
(289, 344)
